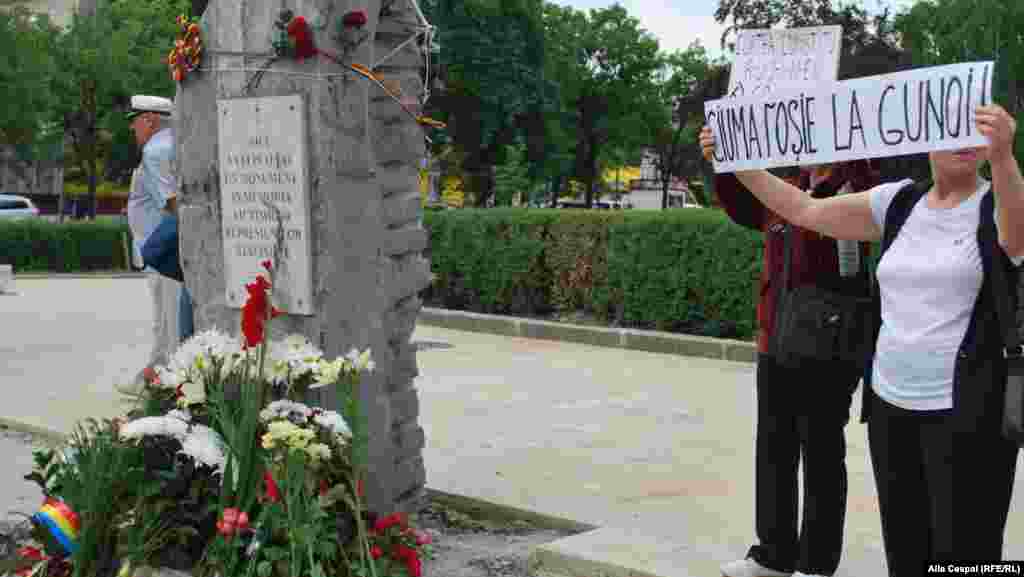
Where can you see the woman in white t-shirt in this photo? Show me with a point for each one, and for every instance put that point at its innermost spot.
(944, 478)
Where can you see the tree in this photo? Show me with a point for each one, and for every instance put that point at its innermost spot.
(512, 177)
(674, 135)
(950, 31)
(617, 62)
(131, 37)
(490, 67)
(24, 76)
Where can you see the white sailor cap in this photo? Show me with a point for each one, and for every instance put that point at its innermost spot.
(142, 103)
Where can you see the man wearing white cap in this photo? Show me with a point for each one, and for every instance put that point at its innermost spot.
(151, 190)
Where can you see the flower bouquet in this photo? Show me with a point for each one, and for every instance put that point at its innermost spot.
(224, 469)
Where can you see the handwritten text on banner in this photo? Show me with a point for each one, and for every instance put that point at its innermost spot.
(778, 60)
(877, 116)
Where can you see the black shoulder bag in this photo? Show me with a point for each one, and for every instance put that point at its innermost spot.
(1004, 287)
(818, 324)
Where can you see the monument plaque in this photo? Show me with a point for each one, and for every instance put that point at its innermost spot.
(264, 174)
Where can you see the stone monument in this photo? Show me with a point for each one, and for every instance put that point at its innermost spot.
(335, 156)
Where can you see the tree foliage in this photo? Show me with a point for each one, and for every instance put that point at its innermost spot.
(490, 67)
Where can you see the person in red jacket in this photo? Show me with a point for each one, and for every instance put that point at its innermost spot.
(801, 412)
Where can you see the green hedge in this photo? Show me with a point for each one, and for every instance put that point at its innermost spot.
(687, 271)
(41, 246)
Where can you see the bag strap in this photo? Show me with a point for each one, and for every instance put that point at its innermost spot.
(1002, 288)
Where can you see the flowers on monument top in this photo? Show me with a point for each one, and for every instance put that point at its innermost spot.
(184, 58)
(354, 19)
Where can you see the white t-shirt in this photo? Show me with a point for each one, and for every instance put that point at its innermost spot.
(929, 280)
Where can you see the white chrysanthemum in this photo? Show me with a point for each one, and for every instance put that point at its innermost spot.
(199, 353)
(205, 446)
(155, 426)
(333, 422)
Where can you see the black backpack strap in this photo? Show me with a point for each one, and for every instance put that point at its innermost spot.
(899, 210)
(1004, 277)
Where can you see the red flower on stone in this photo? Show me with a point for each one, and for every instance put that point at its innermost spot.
(232, 521)
(355, 19)
(150, 376)
(301, 37)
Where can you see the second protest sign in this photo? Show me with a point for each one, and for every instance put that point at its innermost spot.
(878, 116)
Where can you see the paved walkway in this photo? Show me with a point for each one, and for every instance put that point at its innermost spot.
(657, 450)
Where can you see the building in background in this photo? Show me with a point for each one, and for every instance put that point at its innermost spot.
(645, 192)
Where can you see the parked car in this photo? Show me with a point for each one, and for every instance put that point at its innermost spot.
(14, 206)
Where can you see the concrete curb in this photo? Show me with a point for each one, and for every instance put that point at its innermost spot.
(48, 436)
(650, 341)
(490, 511)
(76, 275)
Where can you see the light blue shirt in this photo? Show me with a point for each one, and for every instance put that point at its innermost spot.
(154, 186)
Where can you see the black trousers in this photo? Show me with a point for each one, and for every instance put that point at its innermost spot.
(801, 413)
(944, 486)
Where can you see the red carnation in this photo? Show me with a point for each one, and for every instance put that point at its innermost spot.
(415, 566)
(355, 19)
(376, 552)
(386, 523)
(150, 376)
(267, 265)
(298, 31)
(232, 520)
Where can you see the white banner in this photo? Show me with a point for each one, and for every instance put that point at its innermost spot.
(873, 117)
(779, 60)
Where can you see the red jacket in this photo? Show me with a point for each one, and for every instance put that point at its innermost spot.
(814, 259)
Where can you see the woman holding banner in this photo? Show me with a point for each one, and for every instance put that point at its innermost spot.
(802, 411)
(934, 396)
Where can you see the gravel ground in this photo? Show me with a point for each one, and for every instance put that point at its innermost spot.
(464, 545)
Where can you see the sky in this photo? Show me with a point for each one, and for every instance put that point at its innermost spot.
(677, 23)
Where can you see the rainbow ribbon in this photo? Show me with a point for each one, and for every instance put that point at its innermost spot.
(61, 521)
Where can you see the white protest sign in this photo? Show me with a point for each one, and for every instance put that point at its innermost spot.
(873, 117)
(779, 60)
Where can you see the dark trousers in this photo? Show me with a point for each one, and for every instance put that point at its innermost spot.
(944, 486)
(801, 412)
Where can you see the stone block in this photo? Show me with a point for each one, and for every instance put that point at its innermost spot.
(400, 143)
(401, 208)
(403, 179)
(403, 241)
(409, 438)
(412, 472)
(408, 57)
(405, 406)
